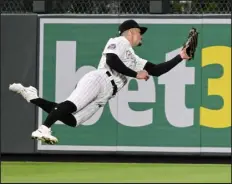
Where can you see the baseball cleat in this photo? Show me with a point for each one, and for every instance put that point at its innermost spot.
(28, 93)
(44, 134)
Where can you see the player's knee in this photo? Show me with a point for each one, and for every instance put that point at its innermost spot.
(79, 121)
(66, 107)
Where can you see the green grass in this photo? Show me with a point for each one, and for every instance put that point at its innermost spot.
(42, 172)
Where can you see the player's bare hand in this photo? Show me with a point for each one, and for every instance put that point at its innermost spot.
(142, 75)
(183, 54)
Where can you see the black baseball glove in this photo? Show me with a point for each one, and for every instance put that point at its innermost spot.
(191, 43)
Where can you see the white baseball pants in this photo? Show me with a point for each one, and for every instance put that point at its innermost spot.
(92, 92)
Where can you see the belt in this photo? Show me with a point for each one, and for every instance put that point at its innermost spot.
(115, 88)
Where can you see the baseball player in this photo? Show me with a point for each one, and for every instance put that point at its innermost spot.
(118, 62)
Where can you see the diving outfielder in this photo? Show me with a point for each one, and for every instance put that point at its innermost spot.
(118, 62)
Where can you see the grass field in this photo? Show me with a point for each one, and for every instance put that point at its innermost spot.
(45, 172)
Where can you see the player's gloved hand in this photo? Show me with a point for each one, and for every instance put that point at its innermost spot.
(190, 46)
(142, 75)
(183, 54)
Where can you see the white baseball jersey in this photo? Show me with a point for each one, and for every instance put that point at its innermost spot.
(95, 89)
(122, 48)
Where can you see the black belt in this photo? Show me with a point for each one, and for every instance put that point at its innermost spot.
(115, 88)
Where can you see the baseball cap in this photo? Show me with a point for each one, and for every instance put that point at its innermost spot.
(128, 24)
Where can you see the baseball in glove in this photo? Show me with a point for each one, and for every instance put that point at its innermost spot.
(191, 43)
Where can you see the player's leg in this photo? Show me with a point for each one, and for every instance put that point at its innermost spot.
(86, 113)
(63, 112)
(30, 94)
(86, 91)
(46, 105)
(75, 119)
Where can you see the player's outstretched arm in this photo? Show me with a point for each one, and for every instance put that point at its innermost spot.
(162, 68)
(116, 64)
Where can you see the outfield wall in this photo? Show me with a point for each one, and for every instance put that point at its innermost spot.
(184, 112)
